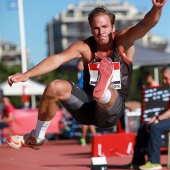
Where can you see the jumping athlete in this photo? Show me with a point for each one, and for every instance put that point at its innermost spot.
(107, 57)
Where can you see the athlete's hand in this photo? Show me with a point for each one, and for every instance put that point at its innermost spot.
(19, 77)
(159, 3)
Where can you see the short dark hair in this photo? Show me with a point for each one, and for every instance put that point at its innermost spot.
(101, 10)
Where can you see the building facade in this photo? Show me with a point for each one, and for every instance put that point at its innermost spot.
(10, 54)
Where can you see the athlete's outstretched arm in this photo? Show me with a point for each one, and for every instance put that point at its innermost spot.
(49, 64)
(149, 21)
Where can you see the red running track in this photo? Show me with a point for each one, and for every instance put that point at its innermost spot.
(58, 155)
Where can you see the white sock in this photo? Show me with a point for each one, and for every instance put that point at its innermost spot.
(41, 129)
(106, 97)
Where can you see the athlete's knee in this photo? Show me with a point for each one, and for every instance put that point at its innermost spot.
(58, 88)
(55, 87)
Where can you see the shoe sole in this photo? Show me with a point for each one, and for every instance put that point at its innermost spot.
(10, 142)
(105, 75)
(13, 146)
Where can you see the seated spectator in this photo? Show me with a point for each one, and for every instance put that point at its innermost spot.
(7, 116)
(149, 140)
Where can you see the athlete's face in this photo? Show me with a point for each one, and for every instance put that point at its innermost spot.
(166, 77)
(102, 29)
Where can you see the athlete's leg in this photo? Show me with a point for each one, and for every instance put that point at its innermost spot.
(107, 117)
(104, 94)
(111, 101)
(57, 90)
(81, 105)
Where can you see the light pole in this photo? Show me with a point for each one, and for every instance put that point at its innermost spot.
(22, 37)
(23, 50)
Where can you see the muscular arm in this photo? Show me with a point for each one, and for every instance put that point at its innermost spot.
(149, 21)
(128, 36)
(53, 62)
(76, 50)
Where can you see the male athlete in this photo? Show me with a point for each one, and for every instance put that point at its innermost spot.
(101, 102)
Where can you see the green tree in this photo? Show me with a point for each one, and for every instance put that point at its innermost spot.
(6, 71)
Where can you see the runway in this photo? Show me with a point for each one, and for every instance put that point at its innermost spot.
(58, 155)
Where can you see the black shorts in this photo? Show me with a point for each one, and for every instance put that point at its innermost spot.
(85, 110)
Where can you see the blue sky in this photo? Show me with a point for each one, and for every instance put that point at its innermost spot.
(37, 13)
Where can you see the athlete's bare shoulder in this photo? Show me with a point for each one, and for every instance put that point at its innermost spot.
(79, 49)
(85, 50)
(122, 36)
(124, 45)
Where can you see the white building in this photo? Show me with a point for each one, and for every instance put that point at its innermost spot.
(10, 54)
